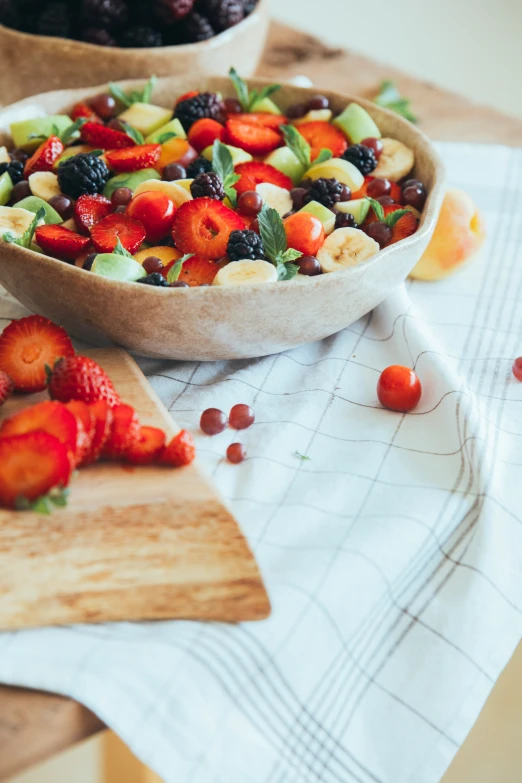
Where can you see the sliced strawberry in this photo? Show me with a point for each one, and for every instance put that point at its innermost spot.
(197, 271)
(82, 111)
(27, 346)
(147, 447)
(50, 417)
(6, 387)
(255, 139)
(203, 226)
(322, 135)
(101, 137)
(81, 378)
(187, 95)
(404, 227)
(45, 156)
(87, 425)
(253, 174)
(61, 242)
(125, 431)
(30, 466)
(102, 413)
(89, 210)
(180, 451)
(106, 233)
(143, 156)
(395, 192)
(265, 119)
(204, 133)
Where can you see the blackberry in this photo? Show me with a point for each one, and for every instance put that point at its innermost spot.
(326, 191)
(171, 11)
(206, 104)
(245, 245)
(223, 14)
(197, 28)
(208, 185)
(199, 166)
(15, 169)
(55, 20)
(105, 13)
(141, 38)
(9, 14)
(98, 36)
(345, 220)
(82, 174)
(363, 158)
(156, 278)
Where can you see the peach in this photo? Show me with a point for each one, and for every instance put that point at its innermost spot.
(458, 235)
(176, 150)
(164, 253)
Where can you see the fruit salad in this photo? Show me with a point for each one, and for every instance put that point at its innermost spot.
(212, 191)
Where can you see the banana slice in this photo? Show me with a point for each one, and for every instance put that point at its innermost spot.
(275, 197)
(177, 193)
(396, 161)
(316, 115)
(246, 273)
(15, 221)
(4, 155)
(44, 184)
(344, 248)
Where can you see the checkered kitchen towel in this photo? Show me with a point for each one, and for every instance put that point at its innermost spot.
(392, 555)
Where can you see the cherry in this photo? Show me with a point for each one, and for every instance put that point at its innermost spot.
(153, 264)
(304, 232)
(241, 416)
(380, 232)
(174, 171)
(156, 211)
(250, 203)
(121, 197)
(236, 453)
(517, 368)
(309, 266)
(317, 103)
(213, 421)
(63, 205)
(373, 144)
(104, 105)
(399, 388)
(378, 187)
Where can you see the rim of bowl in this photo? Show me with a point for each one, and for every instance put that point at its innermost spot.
(426, 224)
(119, 51)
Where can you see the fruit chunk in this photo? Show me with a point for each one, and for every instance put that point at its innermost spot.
(176, 150)
(129, 181)
(147, 447)
(284, 160)
(173, 190)
(238, 155)
(255, 139)
(180, 451)
(23, 131)
(203, 226)
(50, 417)
(266, 106)
(246, 272)
(81, 378)
(105, 138)
(89, 210)
(165, 254)
(146, 117)
(34, 205)
(399, 388)
(275, 197)
(60, 242)
(204, 132)
(396, 161)
(197, 271)
(84, 112)
(125, 429)
(253, 174)
(174, 126)
(117, 267)
(6, 188)
(358, 207)
(143, 156)
(322, 135)
(356, 124)
(30, 466)
(44, 185)
(106, 233)
(325, 215)
(156, 211)
(45, 156)
(6, 386)
(15, 221)
(339, 169)
(376, 187)
(102, 414)
(304, 232)
(273, 121)
(86, 428)
(345, 248)
(70, 152)
(458, 235)
(403, 228)
(316, 115)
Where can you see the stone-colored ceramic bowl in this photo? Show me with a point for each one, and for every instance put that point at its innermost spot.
(30, 64)
(217, 322)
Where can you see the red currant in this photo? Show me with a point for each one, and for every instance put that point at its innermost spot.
(156, 211)
(399, 388)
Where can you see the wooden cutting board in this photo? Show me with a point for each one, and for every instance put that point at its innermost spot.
(133, 543)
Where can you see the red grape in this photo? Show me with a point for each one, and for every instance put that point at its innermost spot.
(241, 416)
(318, 103)
(250, 203)
(213, 421)
(379, 187)
(380, 232)
(517, 368)
(373, 144)
(399, 388)
(236, 452)
(121, 197)
(153, 264)
(104, 105)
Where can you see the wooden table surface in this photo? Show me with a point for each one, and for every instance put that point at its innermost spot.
(34, 725)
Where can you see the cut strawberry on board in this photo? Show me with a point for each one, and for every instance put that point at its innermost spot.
(85, 418)
(50, 417)
(27, 346)
(106, 233)
(196, 270)
(322, 135)
(30, 466)
(81, 378)
(61, 242)
(255, 139)
(147, 447)
(125, 430)
(89, 210)
(143, 156)
(253, 174)
(180, 451)
(204, 132)
(203, 226)
(104, 138)
(45, 156)
(102, 413)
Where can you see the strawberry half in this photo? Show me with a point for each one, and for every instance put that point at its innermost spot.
(30, 466)
(89, 210)
(147, 447)
(82, 111)
(204, 132)
(203, 226)
(186, 96)
(143, 156)
(81, 378)
(322, 135)
(106, 233)
(255, 139)
(6, 387)
(27, 346)
(404, 227)
(273, 121)
(197, 271)
(61, 242)
(180, 451)
(86, 428)
(253, 174)
(101, 137)
(102, 413)
(45, 156)
(125, 431)
(50, 417)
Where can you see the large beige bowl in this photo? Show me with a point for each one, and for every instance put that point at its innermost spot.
(217, 322)
(30, 64)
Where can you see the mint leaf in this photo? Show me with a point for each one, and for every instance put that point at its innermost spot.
(146, 94)
(377, 208)
(8, 237)
(323, 156)
(38, 136)
(389, 97)
(59, 497)
(286, 271)
(136, 96)
(298, 144)
(119, 95)
(73, 131)
(223, 166)
(44, 505)
(272, 233)
(119, 250)
(394, 217)
(302, 457)
(175, 270)
(166, 137)
(27, 238)
(134, 133)
(290, 255)
(266, 92)
(249, 99)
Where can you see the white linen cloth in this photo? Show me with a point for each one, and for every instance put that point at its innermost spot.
(392, 556)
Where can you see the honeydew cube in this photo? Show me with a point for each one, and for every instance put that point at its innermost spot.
(356, 124)
(358, 207)
(266, 105)
(6, 188)
(325, 215)
(174, 126)
(131, 181)
(117, 267)
(238, 155)
(22, 131)
(285, 161)
(146, 117)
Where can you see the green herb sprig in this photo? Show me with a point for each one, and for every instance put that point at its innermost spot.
(223, 166)
(296, 142)
(249, 98)
(302, 457)
(135, 96)
(389, 97)
(57, 498)
(275, 244)
(390, 219)
(132, 132)
(175, 270)
(71, 133)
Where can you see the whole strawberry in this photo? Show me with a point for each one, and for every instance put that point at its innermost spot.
(80, 378)
(6, 387)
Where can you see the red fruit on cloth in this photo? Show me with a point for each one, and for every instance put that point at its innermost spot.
(253, 174)
(61, 242)
(399, 388)
(143, 156)
(147, 448)
(50, 417)
(30, 466)
(203, 226)
(322, 135)
(27, 346)
(6, 387)
(204, 132)
(102, 414)
(104, 138)
(180, 451)
(106, 233)
(124, 432)
(89, 210)
(255, 139)
(45, 156)
(81, 378)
